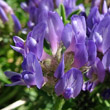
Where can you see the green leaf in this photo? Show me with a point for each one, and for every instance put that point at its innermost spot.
(3, 78)
(77, 12)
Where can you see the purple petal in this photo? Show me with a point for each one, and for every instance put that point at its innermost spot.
(38, 74)
(32, 45)
(94, 17)
(92, 51)
(89, 86)
(104, 9)
(106, 60)
(35, 42)
(19, 42)
(24, 6)
(60, 69)
(54, 30)
(16, 83)
(59, 87)
(79, 27)
(10, 74)
(70, 84)
(95, 3)
(100, 70)
(67, 35)
(17, 25)
(106, 39)
(29, 78)
(46, 5)
(81, 55)
(3, 15)
(18, 49)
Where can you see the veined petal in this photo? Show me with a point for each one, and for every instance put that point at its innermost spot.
(70, 84)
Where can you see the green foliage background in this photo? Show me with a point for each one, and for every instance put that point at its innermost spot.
(38, 99)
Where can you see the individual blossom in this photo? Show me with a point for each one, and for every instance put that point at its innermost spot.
(54, 28)
(96, 75)
(33, 43)
(31, 75)
(70, 83)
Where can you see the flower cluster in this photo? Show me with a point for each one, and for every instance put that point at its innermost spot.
(60, 57)
(5, 9)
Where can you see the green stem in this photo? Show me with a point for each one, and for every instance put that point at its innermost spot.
(59, 102)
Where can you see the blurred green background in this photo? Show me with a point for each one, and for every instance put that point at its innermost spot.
(37, 99)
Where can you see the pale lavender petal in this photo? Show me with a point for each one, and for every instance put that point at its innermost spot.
(57, 22)
(104, 9)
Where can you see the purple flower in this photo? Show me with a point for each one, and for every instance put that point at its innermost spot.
(53, 30)
(100, 33)
(96, 74)
(70, 84)
(31, 75)
(93, 18)
(34, 41)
